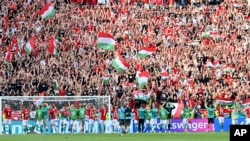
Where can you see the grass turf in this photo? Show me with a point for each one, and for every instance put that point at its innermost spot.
(117, 137)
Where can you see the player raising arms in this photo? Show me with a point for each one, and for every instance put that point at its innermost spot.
(103, 115)
(154, 116)
(7, 121)
(53, 114)
(221, 112)
(169, 107)
(115, 122)
(64, 114)
(210, 116)
(163, 118)
(186, 115)
(45, 114)
(39, 119)
(82, 113)
(148, 118)
(91, 115)
(136, 119)
(25, 118)
(73, 118)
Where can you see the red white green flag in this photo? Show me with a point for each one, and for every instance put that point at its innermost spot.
(47, 12)
(53, 47)
(146, 51)
(120, 64)
(30, 45)
(143, 79)
(106, 41)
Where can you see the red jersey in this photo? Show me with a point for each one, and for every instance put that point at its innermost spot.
(221, 111)
(115, 114)
(248, 112)
(8, 113)
(91, 113)
(26, 114)
(136, 117)
(64, 112)
(53, 114)
(103, 113)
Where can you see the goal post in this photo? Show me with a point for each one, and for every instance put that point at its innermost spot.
(18, 103)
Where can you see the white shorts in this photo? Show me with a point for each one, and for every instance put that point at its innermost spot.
(164, 122)
(102, 121)
(25, 122)
(247, 121)
(221, 119)
(135, 121)
(234, 121)
(53, 121)
(91, 121)
(153, 121)
(115, 122)
(185, 121)
(7, 121)
(147, 122)
(64, 121)
(39, 122)
(73, 122)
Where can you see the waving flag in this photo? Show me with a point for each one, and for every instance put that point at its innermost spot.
(146, 51)
(143, 79)
(52, 47)
(7, 59)
(164, 75)
(138, 71)
(30, 45)
(105, 41)
(120, 64)
(106, 78)
(138, 95)
(47, 12)
(39, 101)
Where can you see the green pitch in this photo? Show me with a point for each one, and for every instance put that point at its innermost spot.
(117, 137)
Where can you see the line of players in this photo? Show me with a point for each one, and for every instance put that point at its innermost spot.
(144, 118)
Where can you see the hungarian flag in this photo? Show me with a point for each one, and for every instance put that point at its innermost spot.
(30, 45)
(206, 34)
(6, 25)
(225, 102)
(120, 64)
(138, 71)
(106, 78)
(105, 41)
(52, 47)
(228, 69)
(7, 59)
(143, 79)
(246, 104)
(237, 5)
(47, 12)
(146, 51)
(138, 95)
(194, 44)
(164, 75)
(39, 101)
(211, 64)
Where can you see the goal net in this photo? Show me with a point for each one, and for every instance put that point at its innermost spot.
(60, 118)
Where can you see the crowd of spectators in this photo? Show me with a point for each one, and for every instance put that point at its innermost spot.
(175, 30)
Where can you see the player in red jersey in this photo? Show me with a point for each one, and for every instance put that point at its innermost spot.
(248, 116)
(221, 116)
(7, 121)
(91, 115)
(53, 114)
(103, 115)
(136, 118)
(115, 122)
(25, 118)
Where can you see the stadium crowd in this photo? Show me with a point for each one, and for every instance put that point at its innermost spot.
(199, 68)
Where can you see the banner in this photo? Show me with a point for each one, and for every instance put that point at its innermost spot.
(195, 125)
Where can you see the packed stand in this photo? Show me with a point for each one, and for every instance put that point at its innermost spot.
(202, 51)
